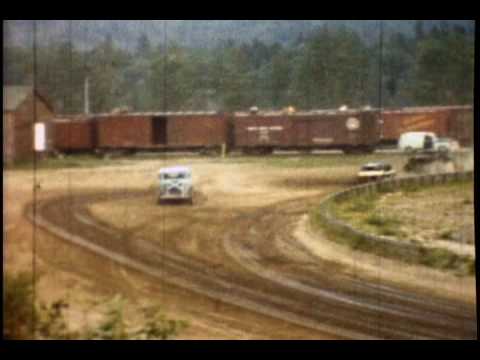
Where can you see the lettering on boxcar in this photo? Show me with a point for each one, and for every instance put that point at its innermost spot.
(318, 140)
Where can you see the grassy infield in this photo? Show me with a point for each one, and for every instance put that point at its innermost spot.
(72, 161)
(363, 211)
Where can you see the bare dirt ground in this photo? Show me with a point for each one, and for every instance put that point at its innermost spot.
(239, 263)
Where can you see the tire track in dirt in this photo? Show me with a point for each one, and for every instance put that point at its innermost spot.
(395, 306)
(177, 268)
(299, 295)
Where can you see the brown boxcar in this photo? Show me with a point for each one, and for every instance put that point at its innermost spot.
(346, 130)
(71, 135)
(161, 131)
(460, 125)
(397, 122)
(193, 131)
(120, 131)
(267, 131)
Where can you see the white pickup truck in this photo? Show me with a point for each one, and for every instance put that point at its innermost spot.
(425, 141)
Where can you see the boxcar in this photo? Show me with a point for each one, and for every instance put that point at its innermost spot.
(460, 125)
(451, 121)
(350, 131)
(74, 135)
(122, 132)
(194, 131)
(161, 131)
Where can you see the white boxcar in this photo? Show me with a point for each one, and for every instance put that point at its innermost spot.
(175, 183)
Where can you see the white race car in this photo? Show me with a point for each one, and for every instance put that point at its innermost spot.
(375, 171)
(175, 183)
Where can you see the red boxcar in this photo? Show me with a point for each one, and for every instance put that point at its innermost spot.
(161, 131)
(124, 131)
(460, 125)
(71, 135)
(197, 130)
(453, 121)
(347, 130)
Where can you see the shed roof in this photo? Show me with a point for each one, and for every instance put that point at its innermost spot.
(14, 96)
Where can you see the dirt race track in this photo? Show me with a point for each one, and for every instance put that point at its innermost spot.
(245, 248)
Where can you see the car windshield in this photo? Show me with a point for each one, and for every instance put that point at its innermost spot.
(371, 167)
(172, 176)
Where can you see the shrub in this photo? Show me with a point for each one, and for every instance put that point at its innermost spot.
(157, 326)
(50, 321)
(389, 232)
(52, 324)
(411, 188)
(443, 259)
(381, 221)
(113, 324)
(17, 306)
(363, 205)
(447, 235)
(154, 324)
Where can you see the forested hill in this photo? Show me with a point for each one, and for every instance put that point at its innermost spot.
(201, 33)
(270, 64)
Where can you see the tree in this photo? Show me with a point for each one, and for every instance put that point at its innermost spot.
(144, 46)
(398, 62)
(106, 64)
(279, 79)
(419, 30)
(444, 70)
(332, 70)
(172, 79)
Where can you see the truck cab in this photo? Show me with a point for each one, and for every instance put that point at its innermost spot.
(417, 141)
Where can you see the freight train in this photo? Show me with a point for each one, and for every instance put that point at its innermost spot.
(352, 131)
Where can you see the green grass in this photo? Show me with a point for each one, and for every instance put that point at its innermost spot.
(388, 231)
(70, 161)
(293, 161)
(360, 211)
(411, 188)
(382, 222)
(361, 206)
(52, 324)
(312, 161)
(447, 235)
(17, 306)
(437, 258)
(446, 260)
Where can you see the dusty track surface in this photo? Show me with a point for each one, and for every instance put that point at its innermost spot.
(237, 246)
